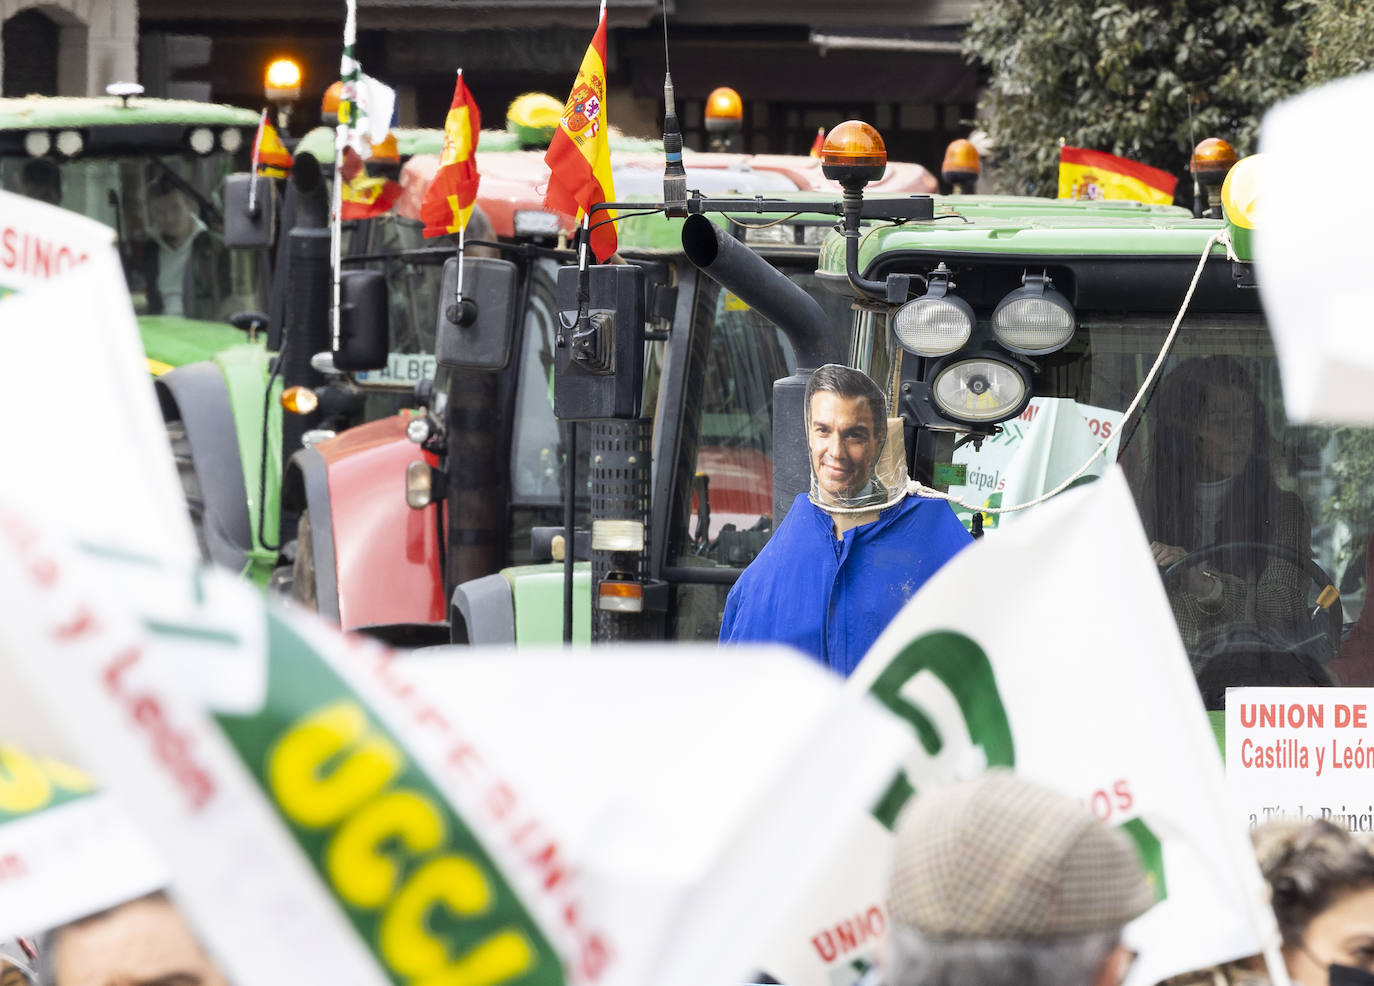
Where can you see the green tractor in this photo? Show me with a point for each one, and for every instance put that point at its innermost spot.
(153, 171)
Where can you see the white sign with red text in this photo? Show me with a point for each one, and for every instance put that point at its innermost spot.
(1077, 680)
(83, 436)
(1302, 753)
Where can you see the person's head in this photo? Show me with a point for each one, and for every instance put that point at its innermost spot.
(42, 180)
(144, 940)
(1321, 883)
(1209, 407)
(1001, 882)
(846, 425)
(170, 212)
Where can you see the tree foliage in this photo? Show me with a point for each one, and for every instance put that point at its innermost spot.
(1120, 77)
(1340, 37)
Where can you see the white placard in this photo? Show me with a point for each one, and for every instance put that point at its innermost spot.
(1302, 753)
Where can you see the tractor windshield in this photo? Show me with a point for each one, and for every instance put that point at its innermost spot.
(1260, 529)
(167, 213)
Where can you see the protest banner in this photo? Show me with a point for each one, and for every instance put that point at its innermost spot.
(1301, 753)
(365, 817)
(1079, 681)
(1320, 336)
(66, 849)
(1032, 454)
(79, 381)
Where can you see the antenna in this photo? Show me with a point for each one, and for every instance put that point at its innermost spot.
(1199, 196)
(674, 174)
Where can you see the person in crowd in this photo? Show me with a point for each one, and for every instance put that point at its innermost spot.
(185, 265)
(1001, 882)
(17, 959)
(1321, 883)
(143, 941)
(852, 551)
(1209, 484)
(41, 179)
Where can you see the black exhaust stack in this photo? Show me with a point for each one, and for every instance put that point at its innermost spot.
(769, 292)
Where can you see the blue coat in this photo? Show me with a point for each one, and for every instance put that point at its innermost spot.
(831, 598)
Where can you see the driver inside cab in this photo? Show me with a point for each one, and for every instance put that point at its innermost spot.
(1228, 540)
(185, 265)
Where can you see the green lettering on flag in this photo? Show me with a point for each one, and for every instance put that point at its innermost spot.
(1151, 854)
(405, 868)
(964, 669)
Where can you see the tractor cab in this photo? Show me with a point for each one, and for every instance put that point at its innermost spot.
(153, 171)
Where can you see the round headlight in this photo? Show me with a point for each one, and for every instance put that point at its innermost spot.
(37, 143)
(202, 140)
(70, 143)
(936, 324)
(1034, 319)
(980, 389)
(231, 139)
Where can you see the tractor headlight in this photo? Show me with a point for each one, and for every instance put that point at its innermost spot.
(1035, 318)
(937, 323)
(980, 389)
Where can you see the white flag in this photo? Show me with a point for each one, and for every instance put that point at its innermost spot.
(332, 812)
(1072, 672)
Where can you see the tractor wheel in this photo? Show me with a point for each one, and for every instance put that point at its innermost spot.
(303, 566)
(190, 483)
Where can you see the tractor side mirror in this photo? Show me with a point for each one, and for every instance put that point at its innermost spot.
(476, 334)
(363, 330)
(248, 212)
(598, 367)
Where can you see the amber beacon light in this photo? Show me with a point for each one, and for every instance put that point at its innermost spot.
(853, 154)
(724, 109)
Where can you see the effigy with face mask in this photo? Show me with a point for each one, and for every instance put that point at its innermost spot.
(855, 450)
(854, 548)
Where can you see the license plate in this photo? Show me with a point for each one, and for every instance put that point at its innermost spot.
(401, 368)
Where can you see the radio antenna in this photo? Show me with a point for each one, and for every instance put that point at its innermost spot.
(674, 174)
(1199, 197)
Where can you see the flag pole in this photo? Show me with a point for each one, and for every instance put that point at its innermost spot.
(462, 237)
(253, 181)
(348, 71)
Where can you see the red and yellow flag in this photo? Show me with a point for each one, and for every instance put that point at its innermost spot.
(448, 202)
(818, 145)
(271, 159)
(579, 156)
(362, 195)
(1085, 174)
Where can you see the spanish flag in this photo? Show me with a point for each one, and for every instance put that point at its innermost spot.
(271, 159)
(579, 157)
(362, 195)
(448, 202)
(818, 145)
(1085, 174)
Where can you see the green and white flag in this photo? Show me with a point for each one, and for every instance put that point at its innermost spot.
(334, 812)
(366, 106)
(1049, 647)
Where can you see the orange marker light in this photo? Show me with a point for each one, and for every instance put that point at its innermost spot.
(388, 151)
(724, 104)
(329, 105)
(620, 597)
(853, 154)
(1212, 156)
(299, 400)
(283, 81)
(961, 162)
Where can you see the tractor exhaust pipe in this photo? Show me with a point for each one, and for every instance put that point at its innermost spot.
(763, 288)
(768, 291)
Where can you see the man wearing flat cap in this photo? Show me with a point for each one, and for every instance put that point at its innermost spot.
(1001, 882)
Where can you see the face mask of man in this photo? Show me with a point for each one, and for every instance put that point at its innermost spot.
(1349, 975)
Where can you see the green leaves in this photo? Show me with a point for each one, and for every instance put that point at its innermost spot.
(1120, 77)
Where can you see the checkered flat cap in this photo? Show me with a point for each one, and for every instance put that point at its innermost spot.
(1002, 859)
